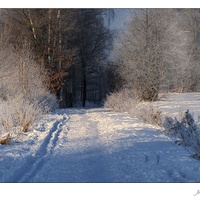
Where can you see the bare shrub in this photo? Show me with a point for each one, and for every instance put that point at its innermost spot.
(23, 93)
(20, 73)
(121, 101)
(185, 131)
(150, 115)
(17, 115)
(127, 101)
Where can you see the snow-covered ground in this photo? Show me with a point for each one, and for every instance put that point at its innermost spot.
(99, 145)
(175, 104)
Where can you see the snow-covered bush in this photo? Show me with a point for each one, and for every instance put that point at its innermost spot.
(127, 101)
(185, 130)
(47, 101)
(17, 115)
(149, 114)
(121, 101)
(23, 92)
(20, 73)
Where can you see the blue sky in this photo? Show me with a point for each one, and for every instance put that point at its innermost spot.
(121, 16)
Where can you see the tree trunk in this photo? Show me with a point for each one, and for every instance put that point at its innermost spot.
(59, 40)
(84, 83)
(32, 26)
(49, 37)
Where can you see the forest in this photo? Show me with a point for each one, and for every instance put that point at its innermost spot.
(69, 50)
(60, 58)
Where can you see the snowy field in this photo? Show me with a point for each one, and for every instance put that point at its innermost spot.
(175, 104)
(100, 146)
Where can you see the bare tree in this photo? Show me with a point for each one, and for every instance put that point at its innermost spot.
(94, 40)
(185, 37)
(47, 31)
(62, 38)
(149, 51)
(190, 24)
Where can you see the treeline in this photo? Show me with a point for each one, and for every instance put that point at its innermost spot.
(71, 46)
(159, 51)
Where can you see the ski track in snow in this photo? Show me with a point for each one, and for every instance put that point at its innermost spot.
(35, 163)
(98, 145)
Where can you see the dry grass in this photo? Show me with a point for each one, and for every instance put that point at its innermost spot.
(5, 141)
(17, 115)
(150, 115)
(121, 101)
(126, 101)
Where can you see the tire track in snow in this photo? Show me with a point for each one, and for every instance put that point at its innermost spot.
(34, 164)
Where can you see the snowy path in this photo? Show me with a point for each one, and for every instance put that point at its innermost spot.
(96, 145)
(33, 163)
